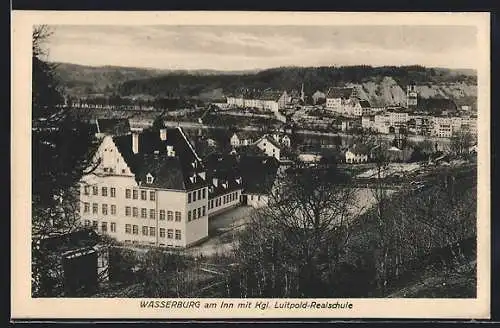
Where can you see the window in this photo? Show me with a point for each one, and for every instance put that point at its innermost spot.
(149, 179)
(212, 203)
(135, 194)
(94, 224)
(123, 170)
(144, 231)
(144, 213)
(170, 233)
(95, 190)
(194, 214)
(128, 228)
(127, 211)
(104, 191)
(189, 216)
(152, 195)
(112, 191)
(199, 194)
(104, 226)
(199, 212)
(144, 195)
(170, 215)
(94, 208)
(151, 213)
(162, 214)
(162, 232)
(135, 229)
(204, 211)
(104, 209)
(87, 223)
(203, 193)
(86, 207)
(177, 216)
(127, 193)
(113, 209)
(189, 197)
(152, 231)
(113, 227)
(86, 190)
(135, 212)
(194, 196)
(177, 234)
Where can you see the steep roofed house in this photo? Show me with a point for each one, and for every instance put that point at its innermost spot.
(224, 182)
(112, 127)
(243, 138)
(338, 99)
(269, 146)
(318, 97)
(144, 189)
(259, 174)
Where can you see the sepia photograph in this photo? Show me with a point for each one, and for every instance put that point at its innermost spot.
(232, 164)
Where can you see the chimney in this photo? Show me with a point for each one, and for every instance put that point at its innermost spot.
(215, 182)
(163, 134)
(170, 151)
(135, 142)
(202, 175)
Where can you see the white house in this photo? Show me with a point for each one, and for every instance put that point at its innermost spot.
(259, 175)
(241, 139)
(356, 154)
(147, 188)
(269, 146)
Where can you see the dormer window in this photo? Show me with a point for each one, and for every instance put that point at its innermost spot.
(149, 178)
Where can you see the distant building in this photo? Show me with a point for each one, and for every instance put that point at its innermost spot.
(357, 154)
(272, 100)
(411, 96)
(318, 96)
(269, 146)
(242, 138)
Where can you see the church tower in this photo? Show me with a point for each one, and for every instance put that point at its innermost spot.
(302, 96)
(411, 96)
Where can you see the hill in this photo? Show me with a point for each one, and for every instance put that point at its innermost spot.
(81, 80)
(384, 85)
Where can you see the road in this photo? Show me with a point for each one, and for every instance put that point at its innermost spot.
(220, 228)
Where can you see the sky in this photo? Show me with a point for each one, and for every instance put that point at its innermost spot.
(260, 47)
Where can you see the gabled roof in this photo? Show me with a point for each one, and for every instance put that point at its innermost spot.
(365, 104)
(113, 126)
(269, 139)
(271, 95)
(258, 173)
(246, 135)
(172, 172)
(336, 92)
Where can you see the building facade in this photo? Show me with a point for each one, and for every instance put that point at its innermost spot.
(148, 189)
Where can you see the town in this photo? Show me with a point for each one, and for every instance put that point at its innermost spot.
(170, 197)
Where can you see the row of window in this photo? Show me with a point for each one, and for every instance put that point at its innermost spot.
(95, 191)
(134, 194)
(197, 213)
(151, 231)
(104, 225)
(223, 200)
(200, 194)
(95, 208)
(134, 212)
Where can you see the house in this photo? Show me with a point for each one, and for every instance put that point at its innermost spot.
(309, 157)
(272, 100)
(286, 141)
(242, 138)
(269, 146)
(211, 142)
(147, 188)
(112, 127)
(225, 182)
(357, 154)
(259, 174)
(318, 97)
(341, 100)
